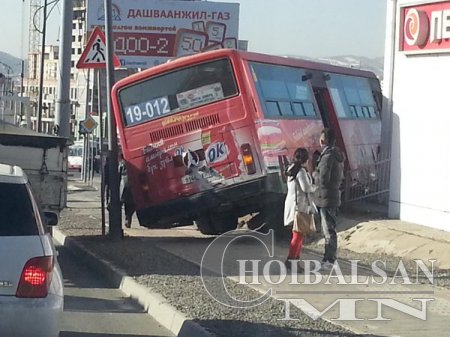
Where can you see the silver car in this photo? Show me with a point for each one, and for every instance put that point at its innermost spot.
(31, 284)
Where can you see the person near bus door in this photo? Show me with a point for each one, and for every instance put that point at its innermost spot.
(126, 197)
(299, 185)
(328, 177)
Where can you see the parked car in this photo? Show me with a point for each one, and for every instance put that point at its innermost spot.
(31, 283)
(75, 159)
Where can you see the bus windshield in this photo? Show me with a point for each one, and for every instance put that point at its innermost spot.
(177, 91)
(282, 91)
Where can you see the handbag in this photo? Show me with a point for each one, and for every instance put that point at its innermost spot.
(304, 222)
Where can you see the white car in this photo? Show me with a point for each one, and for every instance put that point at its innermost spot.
(31, 284)
(75, 159)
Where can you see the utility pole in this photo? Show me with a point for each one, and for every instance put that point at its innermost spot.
(41, 70)
(21, 91)
(62, 113)
(115, 212)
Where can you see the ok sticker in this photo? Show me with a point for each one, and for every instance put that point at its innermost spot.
(217, 152)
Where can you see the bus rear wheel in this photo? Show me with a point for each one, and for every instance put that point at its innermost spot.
(204, 225)
(216, 223)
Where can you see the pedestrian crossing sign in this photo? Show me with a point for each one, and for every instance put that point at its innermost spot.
(94, 55)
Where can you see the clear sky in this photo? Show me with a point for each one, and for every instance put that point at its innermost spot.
(314, 28)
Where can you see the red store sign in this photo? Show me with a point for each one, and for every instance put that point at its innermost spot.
(425, 28)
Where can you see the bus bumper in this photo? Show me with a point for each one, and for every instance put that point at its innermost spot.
(239, 199)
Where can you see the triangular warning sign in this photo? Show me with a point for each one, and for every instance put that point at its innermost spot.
(94, 55)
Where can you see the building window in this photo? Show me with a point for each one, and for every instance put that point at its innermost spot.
(79, 50)
(80, 37)
(73, 51)
(72, 63)
(73, 38)
(80, 25)
(74, 26)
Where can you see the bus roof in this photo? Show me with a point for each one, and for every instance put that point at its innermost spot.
(250, 56)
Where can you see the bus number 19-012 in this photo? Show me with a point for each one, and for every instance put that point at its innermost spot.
(135, 114)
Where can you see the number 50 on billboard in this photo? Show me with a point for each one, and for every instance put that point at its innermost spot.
(150, 32)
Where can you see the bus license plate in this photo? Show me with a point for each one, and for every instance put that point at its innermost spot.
(187, 179)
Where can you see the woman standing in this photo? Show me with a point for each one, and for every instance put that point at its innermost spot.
(299, 184)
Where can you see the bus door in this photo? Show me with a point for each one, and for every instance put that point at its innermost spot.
(356, 114)
(325, 104)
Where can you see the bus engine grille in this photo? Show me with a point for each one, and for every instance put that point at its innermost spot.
(189, 126)
(202, 122)
(165, 133)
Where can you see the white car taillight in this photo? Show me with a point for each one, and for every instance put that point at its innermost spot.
(36, 277)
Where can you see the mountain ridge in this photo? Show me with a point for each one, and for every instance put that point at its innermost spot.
(374, 64)
(13, 62)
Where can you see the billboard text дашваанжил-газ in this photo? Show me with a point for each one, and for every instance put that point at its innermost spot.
(149, 32)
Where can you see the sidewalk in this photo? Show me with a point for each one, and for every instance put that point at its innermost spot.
(399, 238)
(380, 237)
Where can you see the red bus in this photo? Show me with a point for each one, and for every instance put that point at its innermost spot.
(206, 137)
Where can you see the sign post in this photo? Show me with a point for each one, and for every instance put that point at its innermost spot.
(115, 214)
(102, 157)
(97, 56)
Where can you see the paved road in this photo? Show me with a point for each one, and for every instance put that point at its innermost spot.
(94, 309)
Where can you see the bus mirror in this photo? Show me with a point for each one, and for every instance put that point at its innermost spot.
(307, 77)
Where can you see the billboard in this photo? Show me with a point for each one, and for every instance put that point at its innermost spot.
(150, 32)
(425, 28)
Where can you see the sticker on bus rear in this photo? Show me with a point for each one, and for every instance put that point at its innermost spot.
(217, 152)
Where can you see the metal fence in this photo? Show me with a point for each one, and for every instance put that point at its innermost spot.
(368, 183)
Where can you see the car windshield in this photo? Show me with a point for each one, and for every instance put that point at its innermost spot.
(16, 211)
(76, 151)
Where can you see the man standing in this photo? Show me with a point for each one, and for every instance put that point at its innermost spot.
(328, 177)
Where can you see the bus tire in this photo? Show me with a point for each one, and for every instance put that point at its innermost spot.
(216, 223)
(204, 225)
(224, 222)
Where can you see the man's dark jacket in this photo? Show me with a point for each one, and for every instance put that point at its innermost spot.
(328, 177)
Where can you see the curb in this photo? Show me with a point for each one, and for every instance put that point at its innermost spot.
(153, 303)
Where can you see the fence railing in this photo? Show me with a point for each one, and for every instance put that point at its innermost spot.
(368, 182)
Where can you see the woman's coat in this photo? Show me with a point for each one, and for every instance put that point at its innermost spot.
(304, 185)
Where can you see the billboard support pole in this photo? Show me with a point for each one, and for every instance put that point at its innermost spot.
(115, 209)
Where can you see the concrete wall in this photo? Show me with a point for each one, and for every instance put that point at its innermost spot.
(418, 89)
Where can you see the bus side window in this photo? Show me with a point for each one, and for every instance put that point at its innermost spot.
(371, 111)
(272, 109)
(309, 109)
(353, 111)
(286, 108)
